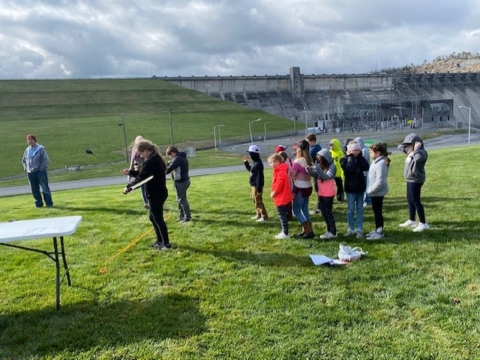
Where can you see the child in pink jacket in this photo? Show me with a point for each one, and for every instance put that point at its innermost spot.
(324, 174)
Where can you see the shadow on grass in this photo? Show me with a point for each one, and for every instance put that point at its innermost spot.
(261, 259)
(117, 210)
(87, 326)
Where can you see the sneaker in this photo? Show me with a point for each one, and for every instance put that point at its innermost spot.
(314, 212)
(261, 219)
(366, 205)
(162, 247)
(409, 223)
(359, 234)
(376, 236)
(328, 235)
(282, 236)
(371, 233)
(350, 233)
(421, 227)
(256, 217)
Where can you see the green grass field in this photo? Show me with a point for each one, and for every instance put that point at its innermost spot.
(230, 291)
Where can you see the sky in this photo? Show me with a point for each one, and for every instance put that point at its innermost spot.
(61, 39)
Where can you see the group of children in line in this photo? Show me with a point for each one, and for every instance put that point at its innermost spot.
(360, 173)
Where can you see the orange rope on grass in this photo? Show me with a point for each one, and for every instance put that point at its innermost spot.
(104, 269)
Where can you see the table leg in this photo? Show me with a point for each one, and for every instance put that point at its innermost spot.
(64, 258)
(57, 266)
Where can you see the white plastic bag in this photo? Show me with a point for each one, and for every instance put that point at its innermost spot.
(346, 253)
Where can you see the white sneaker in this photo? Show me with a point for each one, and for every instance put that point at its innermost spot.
(375, 236)
(282, 236)
(328, 235)
(359, 234)
(256, 217)
(408, 223)
(421, 227)
(261, 219)
(371, 233)
(350, 233)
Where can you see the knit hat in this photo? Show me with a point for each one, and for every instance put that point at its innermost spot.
(254, 149)
(281, 148)
(31, 136)
(354, 146)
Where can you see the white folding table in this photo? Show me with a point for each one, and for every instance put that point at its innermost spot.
(41, 229)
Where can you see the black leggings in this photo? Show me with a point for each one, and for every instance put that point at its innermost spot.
(326, 208)
(377, 207)
(156, 217)
(414, 204)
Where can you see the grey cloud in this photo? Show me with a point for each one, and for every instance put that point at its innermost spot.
(88, 38)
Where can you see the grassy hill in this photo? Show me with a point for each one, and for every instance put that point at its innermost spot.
(69, 116)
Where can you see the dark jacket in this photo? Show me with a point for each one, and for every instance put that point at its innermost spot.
(179, 165)
(353, 168)
(257, 178)
(157, 187)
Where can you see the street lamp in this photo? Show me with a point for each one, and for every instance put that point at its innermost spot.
(215, 136)
(306, 122)
(265, 130)
(124, 134)
(469, 119)
(250, 128)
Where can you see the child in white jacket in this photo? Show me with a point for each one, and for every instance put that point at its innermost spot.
(377, 186)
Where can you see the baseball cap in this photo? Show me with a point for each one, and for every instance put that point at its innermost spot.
(281, 148)
(254, 149)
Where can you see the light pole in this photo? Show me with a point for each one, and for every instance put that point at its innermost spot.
(469, 119)
(124, 134)
(306, 122)
(215, 135)
(250, 128)
(265, 131)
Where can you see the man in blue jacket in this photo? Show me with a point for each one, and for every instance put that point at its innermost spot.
(35, 162)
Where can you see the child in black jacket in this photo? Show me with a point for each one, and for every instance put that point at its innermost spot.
(257, 181)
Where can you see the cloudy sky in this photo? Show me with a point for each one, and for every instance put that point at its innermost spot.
(140, 38)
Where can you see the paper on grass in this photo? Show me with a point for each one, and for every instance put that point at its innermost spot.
(322, 260)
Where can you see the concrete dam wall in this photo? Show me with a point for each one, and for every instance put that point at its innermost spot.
(351, 101)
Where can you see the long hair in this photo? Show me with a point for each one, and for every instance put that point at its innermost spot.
(382, 149)
(304, 153)
(149, 146)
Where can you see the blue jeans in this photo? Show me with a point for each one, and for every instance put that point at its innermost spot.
(39, 179)
(300, 208)
(355, 202)
(144, 194)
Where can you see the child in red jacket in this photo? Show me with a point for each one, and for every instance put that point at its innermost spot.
(281, 192)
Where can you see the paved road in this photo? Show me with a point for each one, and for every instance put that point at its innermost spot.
(439, 142)
(105, 181)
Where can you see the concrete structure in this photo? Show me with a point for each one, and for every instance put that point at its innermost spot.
(353, 101)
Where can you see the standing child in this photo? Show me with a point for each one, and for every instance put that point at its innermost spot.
(156, 189)
(281, 149)
(353, 165)
(257, 181)
(302, 188)
(377, 186)
(314, 148)
(414, 173)
(324, 174)
(337, 154)
(281, 192)
(181, 181)
(136, 162)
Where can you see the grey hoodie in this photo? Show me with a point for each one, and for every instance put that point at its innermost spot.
(414, 170)
(317, 171)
